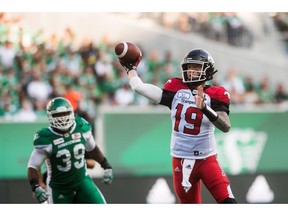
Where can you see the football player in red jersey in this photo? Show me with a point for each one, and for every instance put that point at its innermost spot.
(196, 109)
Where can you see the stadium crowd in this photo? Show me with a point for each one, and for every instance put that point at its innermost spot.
(35, 68)
(281, 22)
(224, 27)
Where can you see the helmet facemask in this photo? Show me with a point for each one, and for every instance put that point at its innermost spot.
(61, 120)
(60, 114)
(193, 75)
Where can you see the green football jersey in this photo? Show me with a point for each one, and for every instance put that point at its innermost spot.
(66, 163)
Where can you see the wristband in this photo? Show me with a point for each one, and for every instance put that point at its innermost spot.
(210, 113)
(34, 184)
(105, 164)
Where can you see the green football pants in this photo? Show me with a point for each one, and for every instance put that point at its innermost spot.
(87, 192)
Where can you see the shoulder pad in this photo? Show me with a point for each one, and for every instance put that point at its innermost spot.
(174, 85)
(42, 137)
(83, 124)
(218, 93)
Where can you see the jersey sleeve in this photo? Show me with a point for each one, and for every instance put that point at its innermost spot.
(170, 88)
(218, 93)
(90, 141)
(42, 138)
(37, 158)
(220, 98)
(174, 84)
(42, 141)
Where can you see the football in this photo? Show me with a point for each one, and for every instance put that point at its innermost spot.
(128, 52)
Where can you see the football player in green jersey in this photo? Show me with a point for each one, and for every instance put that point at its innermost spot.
(62, 147)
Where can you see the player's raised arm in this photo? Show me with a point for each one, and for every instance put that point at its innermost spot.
(129, 56)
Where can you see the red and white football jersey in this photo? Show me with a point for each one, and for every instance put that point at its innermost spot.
(192, 132)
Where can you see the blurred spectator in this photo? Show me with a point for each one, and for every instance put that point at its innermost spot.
(7, 54)
(88, 52)
(8, 82)
(235, 28)
(87, 78)
(280, 93)
(78, 102)
(73, 62)
(8, 109)
(280, 19)
(51, 60)
(217, 29)
(250, 97)
(69, 37)
(72, 96)
(264, 91)
(281, 22)
(170, 65)
(153, 61)
(183, 22)
(38, 89)
(234, 85)
(39, 108)
(170, 20)
(124, 96)
(26, 112)
(103, 66)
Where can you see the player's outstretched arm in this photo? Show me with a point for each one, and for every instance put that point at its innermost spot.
(152, 92)
(130, 56)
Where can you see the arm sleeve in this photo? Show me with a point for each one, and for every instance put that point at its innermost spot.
(90, 141)
(219, 106)
(37, 158)
(149, 91)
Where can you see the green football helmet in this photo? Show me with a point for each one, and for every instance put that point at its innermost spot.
(60, 113)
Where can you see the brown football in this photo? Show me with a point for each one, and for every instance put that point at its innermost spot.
(128, 52)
